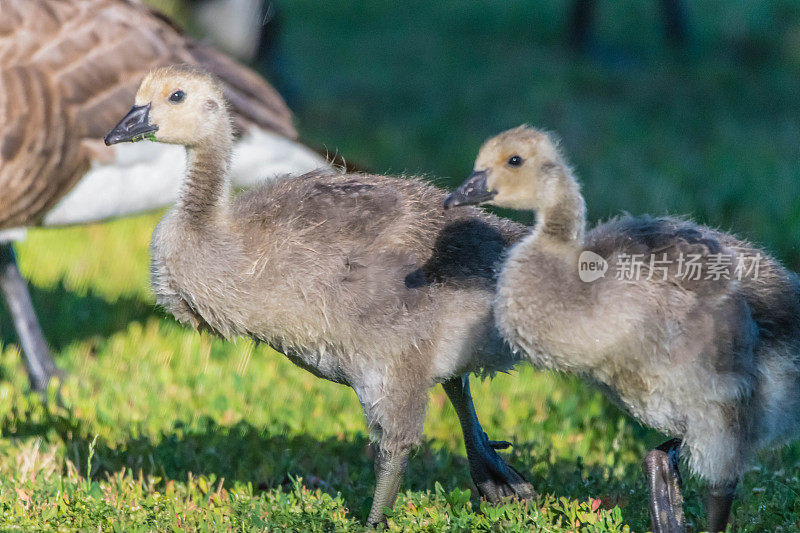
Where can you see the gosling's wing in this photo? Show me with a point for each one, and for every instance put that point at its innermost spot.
(665, 249)
(69, 70)
(645, 234)
(772, 291)
(324, 206)
(359, 234)
(359, 209)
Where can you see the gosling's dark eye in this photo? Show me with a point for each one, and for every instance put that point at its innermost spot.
(514, 161)
(177, 97)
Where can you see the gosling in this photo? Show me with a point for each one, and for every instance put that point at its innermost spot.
(363, 280)
(692, 331)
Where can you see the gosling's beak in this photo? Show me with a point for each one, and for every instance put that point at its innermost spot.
(472, 192)
(135, 126)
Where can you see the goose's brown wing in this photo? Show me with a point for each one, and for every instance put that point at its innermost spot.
(69, 69)
(38, 158)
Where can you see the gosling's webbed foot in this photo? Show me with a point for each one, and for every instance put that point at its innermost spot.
(664, 480)
(494, 478)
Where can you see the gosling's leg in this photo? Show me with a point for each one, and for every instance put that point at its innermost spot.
(395, 413)
(389, 469)
(493, 477)
(719, 506)
(38, 362)
(664, 479)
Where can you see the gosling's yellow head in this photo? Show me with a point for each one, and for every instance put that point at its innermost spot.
(512, 170)
(176, 105)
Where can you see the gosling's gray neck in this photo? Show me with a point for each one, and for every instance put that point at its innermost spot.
(204, 193)
(562, 219)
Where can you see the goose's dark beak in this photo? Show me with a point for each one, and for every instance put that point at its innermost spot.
(135, 126)
(472, 192)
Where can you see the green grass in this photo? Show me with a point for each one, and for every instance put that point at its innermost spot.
(160, 428)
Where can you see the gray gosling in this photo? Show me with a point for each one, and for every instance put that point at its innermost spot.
(711, 359)
(360, 279)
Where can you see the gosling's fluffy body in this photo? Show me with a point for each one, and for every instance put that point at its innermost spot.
(715, 362)
(360, 279)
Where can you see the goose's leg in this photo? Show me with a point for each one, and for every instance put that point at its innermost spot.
(664, 480)
(719, 506)
(38, 362)
(493, 477)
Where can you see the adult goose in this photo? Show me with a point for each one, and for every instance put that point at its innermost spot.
(694, 332)
(361, 279)
(67, 69)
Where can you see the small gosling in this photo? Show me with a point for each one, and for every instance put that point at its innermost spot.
(360, 279)
(703, 355)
